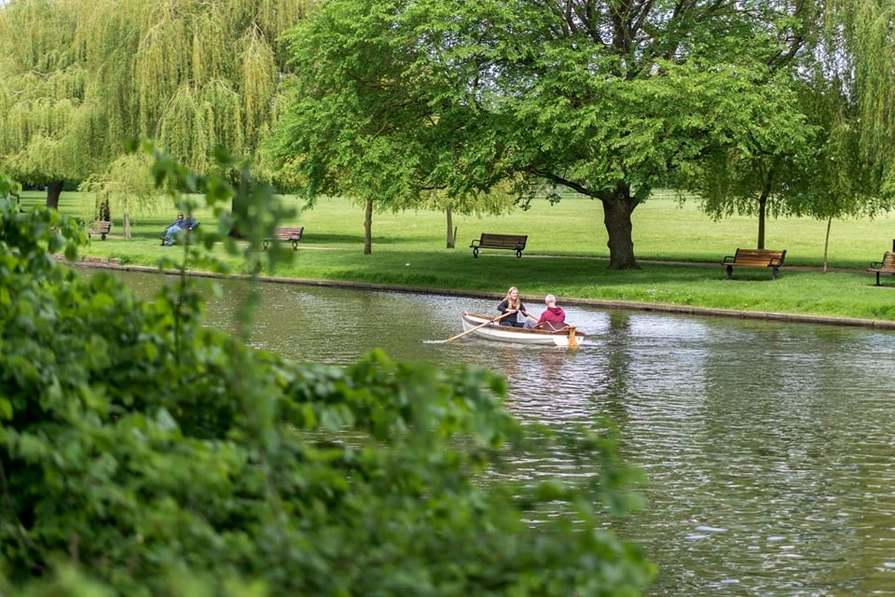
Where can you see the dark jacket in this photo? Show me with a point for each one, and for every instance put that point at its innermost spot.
(504, 306)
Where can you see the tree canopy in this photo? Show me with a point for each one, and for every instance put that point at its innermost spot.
(51, 130)
(825, 164)
(608, 99)
(192, 74)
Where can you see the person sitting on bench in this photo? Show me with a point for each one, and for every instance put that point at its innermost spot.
(179, 225)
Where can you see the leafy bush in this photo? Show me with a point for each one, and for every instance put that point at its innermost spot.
(143, 453)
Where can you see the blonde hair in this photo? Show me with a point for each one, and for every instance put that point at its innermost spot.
(509, 300)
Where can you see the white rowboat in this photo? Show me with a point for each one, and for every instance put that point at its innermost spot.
(506, 333)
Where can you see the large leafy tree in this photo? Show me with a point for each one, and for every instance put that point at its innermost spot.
(51, 131)
(834, 157)
(95, 74)
(811, 162)
(609, 99)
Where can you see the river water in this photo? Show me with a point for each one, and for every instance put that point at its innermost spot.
(769, 447)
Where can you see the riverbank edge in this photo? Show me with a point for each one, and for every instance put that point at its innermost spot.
(603, 303)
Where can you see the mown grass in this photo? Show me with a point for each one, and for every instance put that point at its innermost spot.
(564, 256)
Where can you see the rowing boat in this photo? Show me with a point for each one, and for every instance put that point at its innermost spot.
(506, 333)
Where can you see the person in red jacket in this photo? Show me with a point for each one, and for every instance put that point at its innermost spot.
(554, 318)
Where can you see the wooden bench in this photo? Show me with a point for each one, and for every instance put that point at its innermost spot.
(286, 233)
(511, 242)
(755, 258)
(101, 228)
(886, 266)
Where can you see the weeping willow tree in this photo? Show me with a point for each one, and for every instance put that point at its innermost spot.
(51, 129)
(499, 200)
(202, 74)
(861, 42)
(127, 187)
(190, 73)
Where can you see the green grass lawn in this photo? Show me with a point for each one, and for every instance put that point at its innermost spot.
(409, 249)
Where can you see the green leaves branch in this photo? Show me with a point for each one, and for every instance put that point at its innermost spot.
(141, 448)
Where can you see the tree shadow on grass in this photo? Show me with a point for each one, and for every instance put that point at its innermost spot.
(315, 238)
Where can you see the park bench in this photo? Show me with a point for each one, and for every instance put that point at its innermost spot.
(511, 242)
(886, 266)
(761, 258)
(290, 234)
(101, 228)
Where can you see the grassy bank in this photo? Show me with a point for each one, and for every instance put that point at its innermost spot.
(563, 257)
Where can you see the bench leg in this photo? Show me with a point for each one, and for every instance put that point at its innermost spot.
(729, 269)
(877, 278)
(775, 273)
(475, 252)
(265, 245)
(518, 253)
(295, 245)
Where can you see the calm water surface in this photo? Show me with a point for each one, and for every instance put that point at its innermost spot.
(770, 448)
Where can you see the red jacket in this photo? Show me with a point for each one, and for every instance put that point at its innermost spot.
(553, 318)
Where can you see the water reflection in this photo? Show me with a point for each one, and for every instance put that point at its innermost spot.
(769, 447)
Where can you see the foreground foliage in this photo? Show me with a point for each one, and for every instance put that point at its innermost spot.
(153, 455)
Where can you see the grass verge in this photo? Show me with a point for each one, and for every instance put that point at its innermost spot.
(567, 242)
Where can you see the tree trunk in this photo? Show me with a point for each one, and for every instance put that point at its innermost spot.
(54, 189)
(451, 238)
(827, 242)
(368, 227)
(126, 223)
(103, 211)
(762, 212)
(617, 209)
(239, 207)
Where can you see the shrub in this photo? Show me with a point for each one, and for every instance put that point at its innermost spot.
(143, 453)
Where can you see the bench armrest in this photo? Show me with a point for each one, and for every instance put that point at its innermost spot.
(876, 264)
(474, 243)
(729, 259)
(774, 262)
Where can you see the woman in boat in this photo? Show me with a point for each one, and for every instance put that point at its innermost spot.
(512, 304)
(554, 318)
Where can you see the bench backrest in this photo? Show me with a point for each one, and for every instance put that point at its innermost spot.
(289, 232)
(888, 261)
(767, 257)
(101, 226)
(503, 240)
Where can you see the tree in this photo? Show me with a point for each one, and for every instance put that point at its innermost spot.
(125, 185)
(827, 161)
(194, 75)
(50, 126)
(609, 100)
(859, 45)
(849, 172)
(496, 202)
(765, 173)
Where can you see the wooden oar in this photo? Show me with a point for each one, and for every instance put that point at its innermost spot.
(573, 338)
(469, 331)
